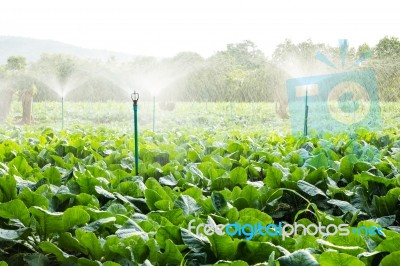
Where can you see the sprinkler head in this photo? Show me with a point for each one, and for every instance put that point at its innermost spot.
(135, 97)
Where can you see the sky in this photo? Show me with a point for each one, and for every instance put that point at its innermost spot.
(167, 27)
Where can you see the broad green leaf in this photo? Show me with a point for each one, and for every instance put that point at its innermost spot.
(253, 216)
(98, 171)
(53, 175)
(315, 176)
(171, 255)
(351, 250)
(175, 216)
(232, 263)
(365, 177)
(168, 180)
(129, 188)
(102, 192)
(67, 242)
(86, 182)
(86, 200)
(300, 257)
(386, 221)
(194, 242)
(48, 247)
(151, 198)
(391, 259)
(98, 214)
(194, 192)
(168, 232)
(344, 206)
(223, 246)
(221, 183)
(389, 245)
(75, 216)
(361, 200)
(238, 176)
(8, 188)
(193, 156)
(88, 262)
(130, 228)
(62, 193)
(111, 263)
(386, 205)
(95, 225)
(113, 244)
(187, 204)
(36, 259)
(306, 241)
(91, 242)
(118, 175)
(141, 251)
(21, 165)
(347, 165)
(117, 208)
(219, 203)
(273, 177)
(14, 234)
(232, 215)
(164, 205)
(271, 259)
(48, 222)
(310, 189)
(15, 209)
(318, 161)
(153, 184)
(241, 203)
(255, 252)
(31, 198)
(270, 196)
(330, 258)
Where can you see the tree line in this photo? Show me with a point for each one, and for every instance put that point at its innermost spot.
(240, 72)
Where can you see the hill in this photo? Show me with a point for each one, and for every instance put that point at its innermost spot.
(33, 48)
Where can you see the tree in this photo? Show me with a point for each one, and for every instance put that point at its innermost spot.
(24, 85)
(388, 47)
(385, 61)
(363, 49)
(16, 63)
(246, 54)
(17, 80)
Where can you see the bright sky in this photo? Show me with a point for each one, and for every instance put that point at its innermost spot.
(166, 27)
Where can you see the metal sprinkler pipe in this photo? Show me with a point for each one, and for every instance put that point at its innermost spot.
(62, 112)
(135, 99)
(306, 114)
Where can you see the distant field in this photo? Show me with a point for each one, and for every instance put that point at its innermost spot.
(188, 115)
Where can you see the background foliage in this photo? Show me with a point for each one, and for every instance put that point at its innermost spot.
(241, 72)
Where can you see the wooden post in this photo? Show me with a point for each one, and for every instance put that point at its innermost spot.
(27, 100)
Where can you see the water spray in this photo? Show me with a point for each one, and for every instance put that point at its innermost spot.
(135, 99)
(154, 112)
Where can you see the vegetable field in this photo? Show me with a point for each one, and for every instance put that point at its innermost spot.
(71, 197)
